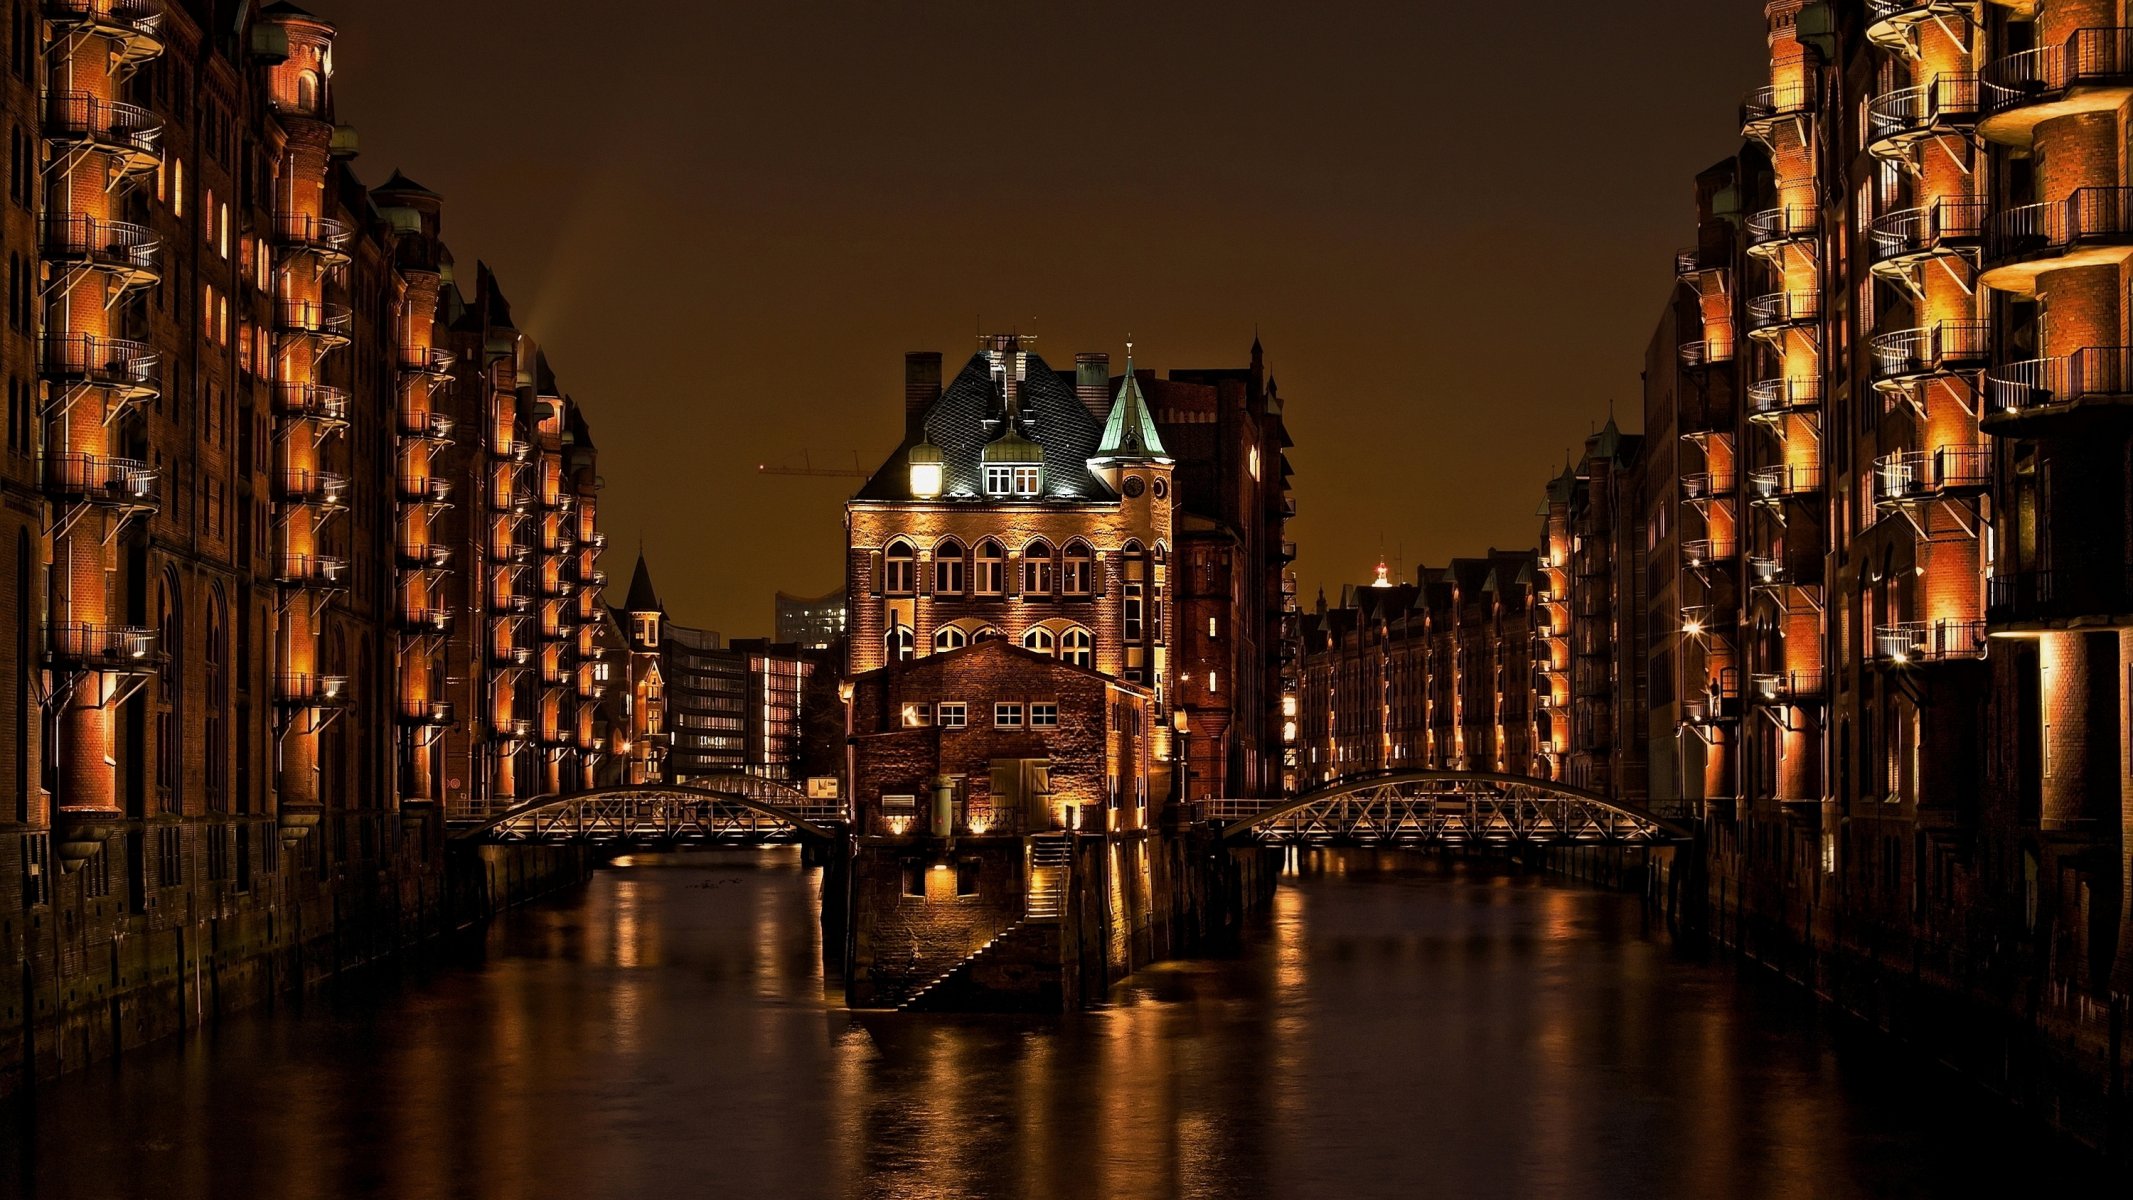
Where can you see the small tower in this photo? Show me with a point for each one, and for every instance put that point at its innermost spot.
(644, 618)
(1131, 461)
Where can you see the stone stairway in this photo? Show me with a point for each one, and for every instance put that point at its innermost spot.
(918, 1000)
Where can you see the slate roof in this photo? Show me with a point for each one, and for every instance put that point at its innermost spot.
(1130, 433)
(642, 597)
(972, 412)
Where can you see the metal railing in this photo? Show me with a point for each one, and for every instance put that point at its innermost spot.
(1946, 103)
(1948, 345)
(1792, 686)
(91, 644)
(425, 712)
(1766, 105)
(1698, 552)
(305, 690)
(1706, 352)
(425, 426)
(1773, 396)
(424, 489)
(425, 360)
(2088, 214)
(1704, 485)
(100, 479)
(313, 318)
(2088, 373)
(1905, 642)
(425, 619)
(312, 401)
(308, 232)
(1783, 224)
(311, 570)
(1780, 310)
(122, 245)
(101, 361)
(2099, 56)
(317, 488)
(2095, 584)
(112, 125)
(1790, 479)
(425, 556)
(1923, 474)
(136, 14)
(1944, 224)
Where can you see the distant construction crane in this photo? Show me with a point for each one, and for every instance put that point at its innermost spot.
(807, 467)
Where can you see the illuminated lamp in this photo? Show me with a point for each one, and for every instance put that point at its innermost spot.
(928, 469)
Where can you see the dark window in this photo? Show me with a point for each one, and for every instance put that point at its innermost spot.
(914, 879)
(966, 877)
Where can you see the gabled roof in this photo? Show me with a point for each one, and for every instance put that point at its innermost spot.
(1129, 435)
(971, 414)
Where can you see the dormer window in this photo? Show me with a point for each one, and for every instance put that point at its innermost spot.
(999, 479)
(1028, 480)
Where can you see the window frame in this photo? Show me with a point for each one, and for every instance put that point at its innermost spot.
(1002, 710)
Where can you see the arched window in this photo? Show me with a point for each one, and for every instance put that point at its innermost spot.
(949, 637)
(1078, 648)
(25, 619)
(218, 702)
(898, 571)
(989, 566)
(948, 568)
(897, 644)
(1037, 569)
(1039, 639)
(1135, 564)
(1077, 569)
(170, 683)
(987, 634)
(307, 92)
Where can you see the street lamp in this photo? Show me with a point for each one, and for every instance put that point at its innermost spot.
(1178, 768)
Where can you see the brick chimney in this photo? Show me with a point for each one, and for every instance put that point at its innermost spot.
(1092, 382)
(922, 385)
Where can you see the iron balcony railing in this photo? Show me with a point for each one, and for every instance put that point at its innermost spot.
(1784, 481)
(2090, 215)
(1766, 569)
(111, 126)
(425, 556)
(1907, 642)
(312, 401)
(1704, 485)
(1695, 260)
(1945, 225)
(86, 358)
(132, 14)
(425, 620)
(414, 711)
(1786, 223)
(315, 234)
(425, 360)
(310, 318)
(1766, 106)
(1786, 686)
(316, 489)
(1927, 474)
(2096, 57)
(2072, 587)
(311, 570)
(120, 246)
(1706, 352)
(100, 479)
(510, 656)
(1779, 311)
(425, 426)
(424, 489)
(1906, 354)
(1701, 552)
(1774, 397)
(2090, 373)
(100, 647)
(514, 605)
(1947, 103)
(517, 729)
(308, 690)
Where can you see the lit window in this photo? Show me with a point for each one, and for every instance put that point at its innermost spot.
(1213, 682)
(1044, 716)
(1255, 462)
(948, 568)
(1037, 569)
(1038, 639)
(1077, 647)
(989, 566)
(1077, 569)
(1027, 480)
(949, 637)
(1007, 716)
(897, 644)
(1212, 631)
(916, 716)
(899, 574)
(953, 714)
(999, 479)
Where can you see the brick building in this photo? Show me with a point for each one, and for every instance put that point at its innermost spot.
(244, 447)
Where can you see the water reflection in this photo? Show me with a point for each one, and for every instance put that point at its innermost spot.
(1394, 1026)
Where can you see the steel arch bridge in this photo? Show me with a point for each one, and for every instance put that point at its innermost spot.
(724, 810)
(1454, 808)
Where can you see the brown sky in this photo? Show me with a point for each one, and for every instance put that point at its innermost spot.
(727, 221)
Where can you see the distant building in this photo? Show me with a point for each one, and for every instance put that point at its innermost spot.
(811, 622)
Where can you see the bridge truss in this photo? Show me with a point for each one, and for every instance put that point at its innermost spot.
(1455, 808)
(734, 810)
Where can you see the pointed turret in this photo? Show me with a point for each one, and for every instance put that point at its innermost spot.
(1129, 434)
(642, 598)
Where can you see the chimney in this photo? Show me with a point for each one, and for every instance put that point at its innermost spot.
(1092, 382)
(922, 386)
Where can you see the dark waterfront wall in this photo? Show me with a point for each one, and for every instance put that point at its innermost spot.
(96, 980)
(1126, 900)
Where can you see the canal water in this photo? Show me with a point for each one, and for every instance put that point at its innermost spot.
(1393, 1026)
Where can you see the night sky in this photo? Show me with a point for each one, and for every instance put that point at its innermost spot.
(726, 222)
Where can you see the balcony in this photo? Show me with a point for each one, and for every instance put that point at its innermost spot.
(426, 620)
(2092, 71)
(424, 556)
(81, 645)
(1896, 122)
(124, 251)
(426, 713)
(1287, 553)
(1706, 485)
(2093, 225)
(101, 480)
(313, 571)
(2025, 398)
(1697, 261)
(126, 368)
(1717, 703)
(1706, 353)
(425, 426)
(1778, 484)
(1787, 687)
(510, 656)
(1904, 356)
(1699, 553)
(1947, 472)
(1773, 229)
(2090, 589)
(1773, 399)
(314, 489)
(558, 502)
(1889, 22)
(513, 606)
(126, 133)
(1768, 108)
(310, 690)
(131, 26)
(321, 238)
(1771, 317)
(312, 402)
(1908, 643)
(425, 360)
(1899, 242)
(424, 489)
(555, 588)
(326, 324)
(517, 730)
(1766, 570)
